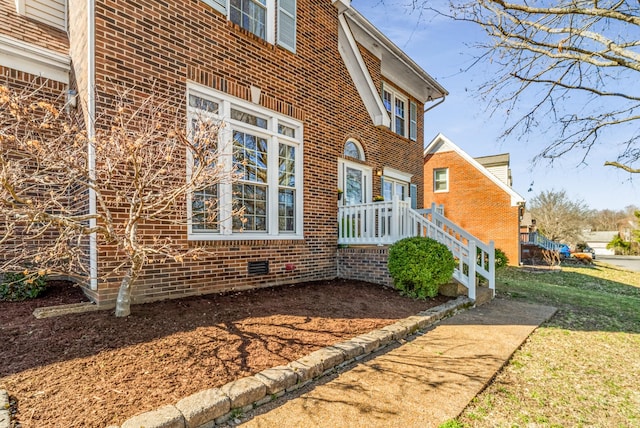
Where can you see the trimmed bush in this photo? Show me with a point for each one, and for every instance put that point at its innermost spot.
(419, 266)
(501, 259)
(17, 286)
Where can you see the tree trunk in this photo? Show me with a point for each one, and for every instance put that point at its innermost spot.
(123, 302)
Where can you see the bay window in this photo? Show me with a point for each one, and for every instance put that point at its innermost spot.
(264, 150)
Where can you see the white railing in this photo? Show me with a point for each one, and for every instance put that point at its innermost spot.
(383, 223)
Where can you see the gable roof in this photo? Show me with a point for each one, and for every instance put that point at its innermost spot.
(442, 144)
(395, 65)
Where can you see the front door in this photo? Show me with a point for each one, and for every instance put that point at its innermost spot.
(355, 181)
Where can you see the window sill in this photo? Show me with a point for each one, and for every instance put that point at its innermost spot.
(243, 237)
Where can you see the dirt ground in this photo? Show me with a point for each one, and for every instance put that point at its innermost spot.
(92, 369)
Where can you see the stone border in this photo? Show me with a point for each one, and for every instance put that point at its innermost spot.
(5, 411)
(211, 407)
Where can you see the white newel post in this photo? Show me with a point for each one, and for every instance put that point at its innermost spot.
(395, 218)
(492, 267)
(472, 270)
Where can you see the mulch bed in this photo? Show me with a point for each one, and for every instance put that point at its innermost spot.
(93, 369)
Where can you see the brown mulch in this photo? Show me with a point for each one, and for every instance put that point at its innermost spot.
(93, 369)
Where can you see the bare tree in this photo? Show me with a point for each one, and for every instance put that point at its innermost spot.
(558, 217)
(145, 168)
(567, 72)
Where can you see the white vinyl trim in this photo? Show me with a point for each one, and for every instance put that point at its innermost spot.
(91, 115)
(32, 59)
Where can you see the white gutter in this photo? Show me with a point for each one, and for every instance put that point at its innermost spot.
(91, 133)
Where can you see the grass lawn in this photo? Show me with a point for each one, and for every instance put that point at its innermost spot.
(580, 369)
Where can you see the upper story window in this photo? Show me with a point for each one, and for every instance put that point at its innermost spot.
(262, 18)
(250, 15)
(50, 12)
(441, 180)
(403, 113)
(265, 151)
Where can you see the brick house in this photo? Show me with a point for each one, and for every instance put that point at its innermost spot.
(476, 194)
(312, 77)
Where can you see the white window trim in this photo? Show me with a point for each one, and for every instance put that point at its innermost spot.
(446, 170)
(395, 95)
(225, 103)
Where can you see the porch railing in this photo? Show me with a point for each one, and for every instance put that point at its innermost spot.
(383, 223)
(537, 238)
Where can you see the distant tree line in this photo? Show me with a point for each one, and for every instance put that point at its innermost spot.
(562, 219)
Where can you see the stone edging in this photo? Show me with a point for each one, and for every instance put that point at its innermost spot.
(211, 407)
(5, 417)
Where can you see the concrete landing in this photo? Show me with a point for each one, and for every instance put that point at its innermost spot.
(422, 383)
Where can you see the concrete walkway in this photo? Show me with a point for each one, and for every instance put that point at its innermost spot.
(422, 383)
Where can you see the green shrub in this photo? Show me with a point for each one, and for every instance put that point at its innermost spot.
(501, 259)
(17, 286)
(419, 266)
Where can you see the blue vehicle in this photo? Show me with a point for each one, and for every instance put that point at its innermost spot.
(564, 251)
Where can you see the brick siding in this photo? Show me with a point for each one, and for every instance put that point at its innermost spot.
(365, 264)
(161, 46)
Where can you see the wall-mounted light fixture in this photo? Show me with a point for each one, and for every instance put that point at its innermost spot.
(72, 98)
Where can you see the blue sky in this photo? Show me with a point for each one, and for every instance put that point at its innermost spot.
(444, 49)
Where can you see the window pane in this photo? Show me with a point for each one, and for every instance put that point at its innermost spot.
(387, 190)
(250, 156)
(204, 210)
(286, 210)
(250, 15)
(286, 167)
(286, 131)
(387, 100)
(351, 150)
(254, 200)
(203, 104)
(354, 183)
(400, 118)
(248, 118)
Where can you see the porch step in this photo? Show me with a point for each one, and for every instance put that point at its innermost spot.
(483, 295)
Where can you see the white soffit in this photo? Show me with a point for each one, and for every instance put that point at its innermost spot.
(33, 59)
(396, 65)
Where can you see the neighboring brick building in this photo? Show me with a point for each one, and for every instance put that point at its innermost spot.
(481, 202)
(311, 77)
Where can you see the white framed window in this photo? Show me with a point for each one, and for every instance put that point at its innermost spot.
(262, 17)
(353, 149)
(397, 106)
(264, 149)
(441, 180)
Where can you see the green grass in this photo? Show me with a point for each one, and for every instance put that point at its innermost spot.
(581, 368)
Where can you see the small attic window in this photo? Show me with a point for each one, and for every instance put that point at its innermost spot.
(352, 149)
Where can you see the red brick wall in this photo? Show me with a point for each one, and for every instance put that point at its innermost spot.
(475, 203)
(365, 264)
(165, 44)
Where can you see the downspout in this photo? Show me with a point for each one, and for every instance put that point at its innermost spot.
(91, 133)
